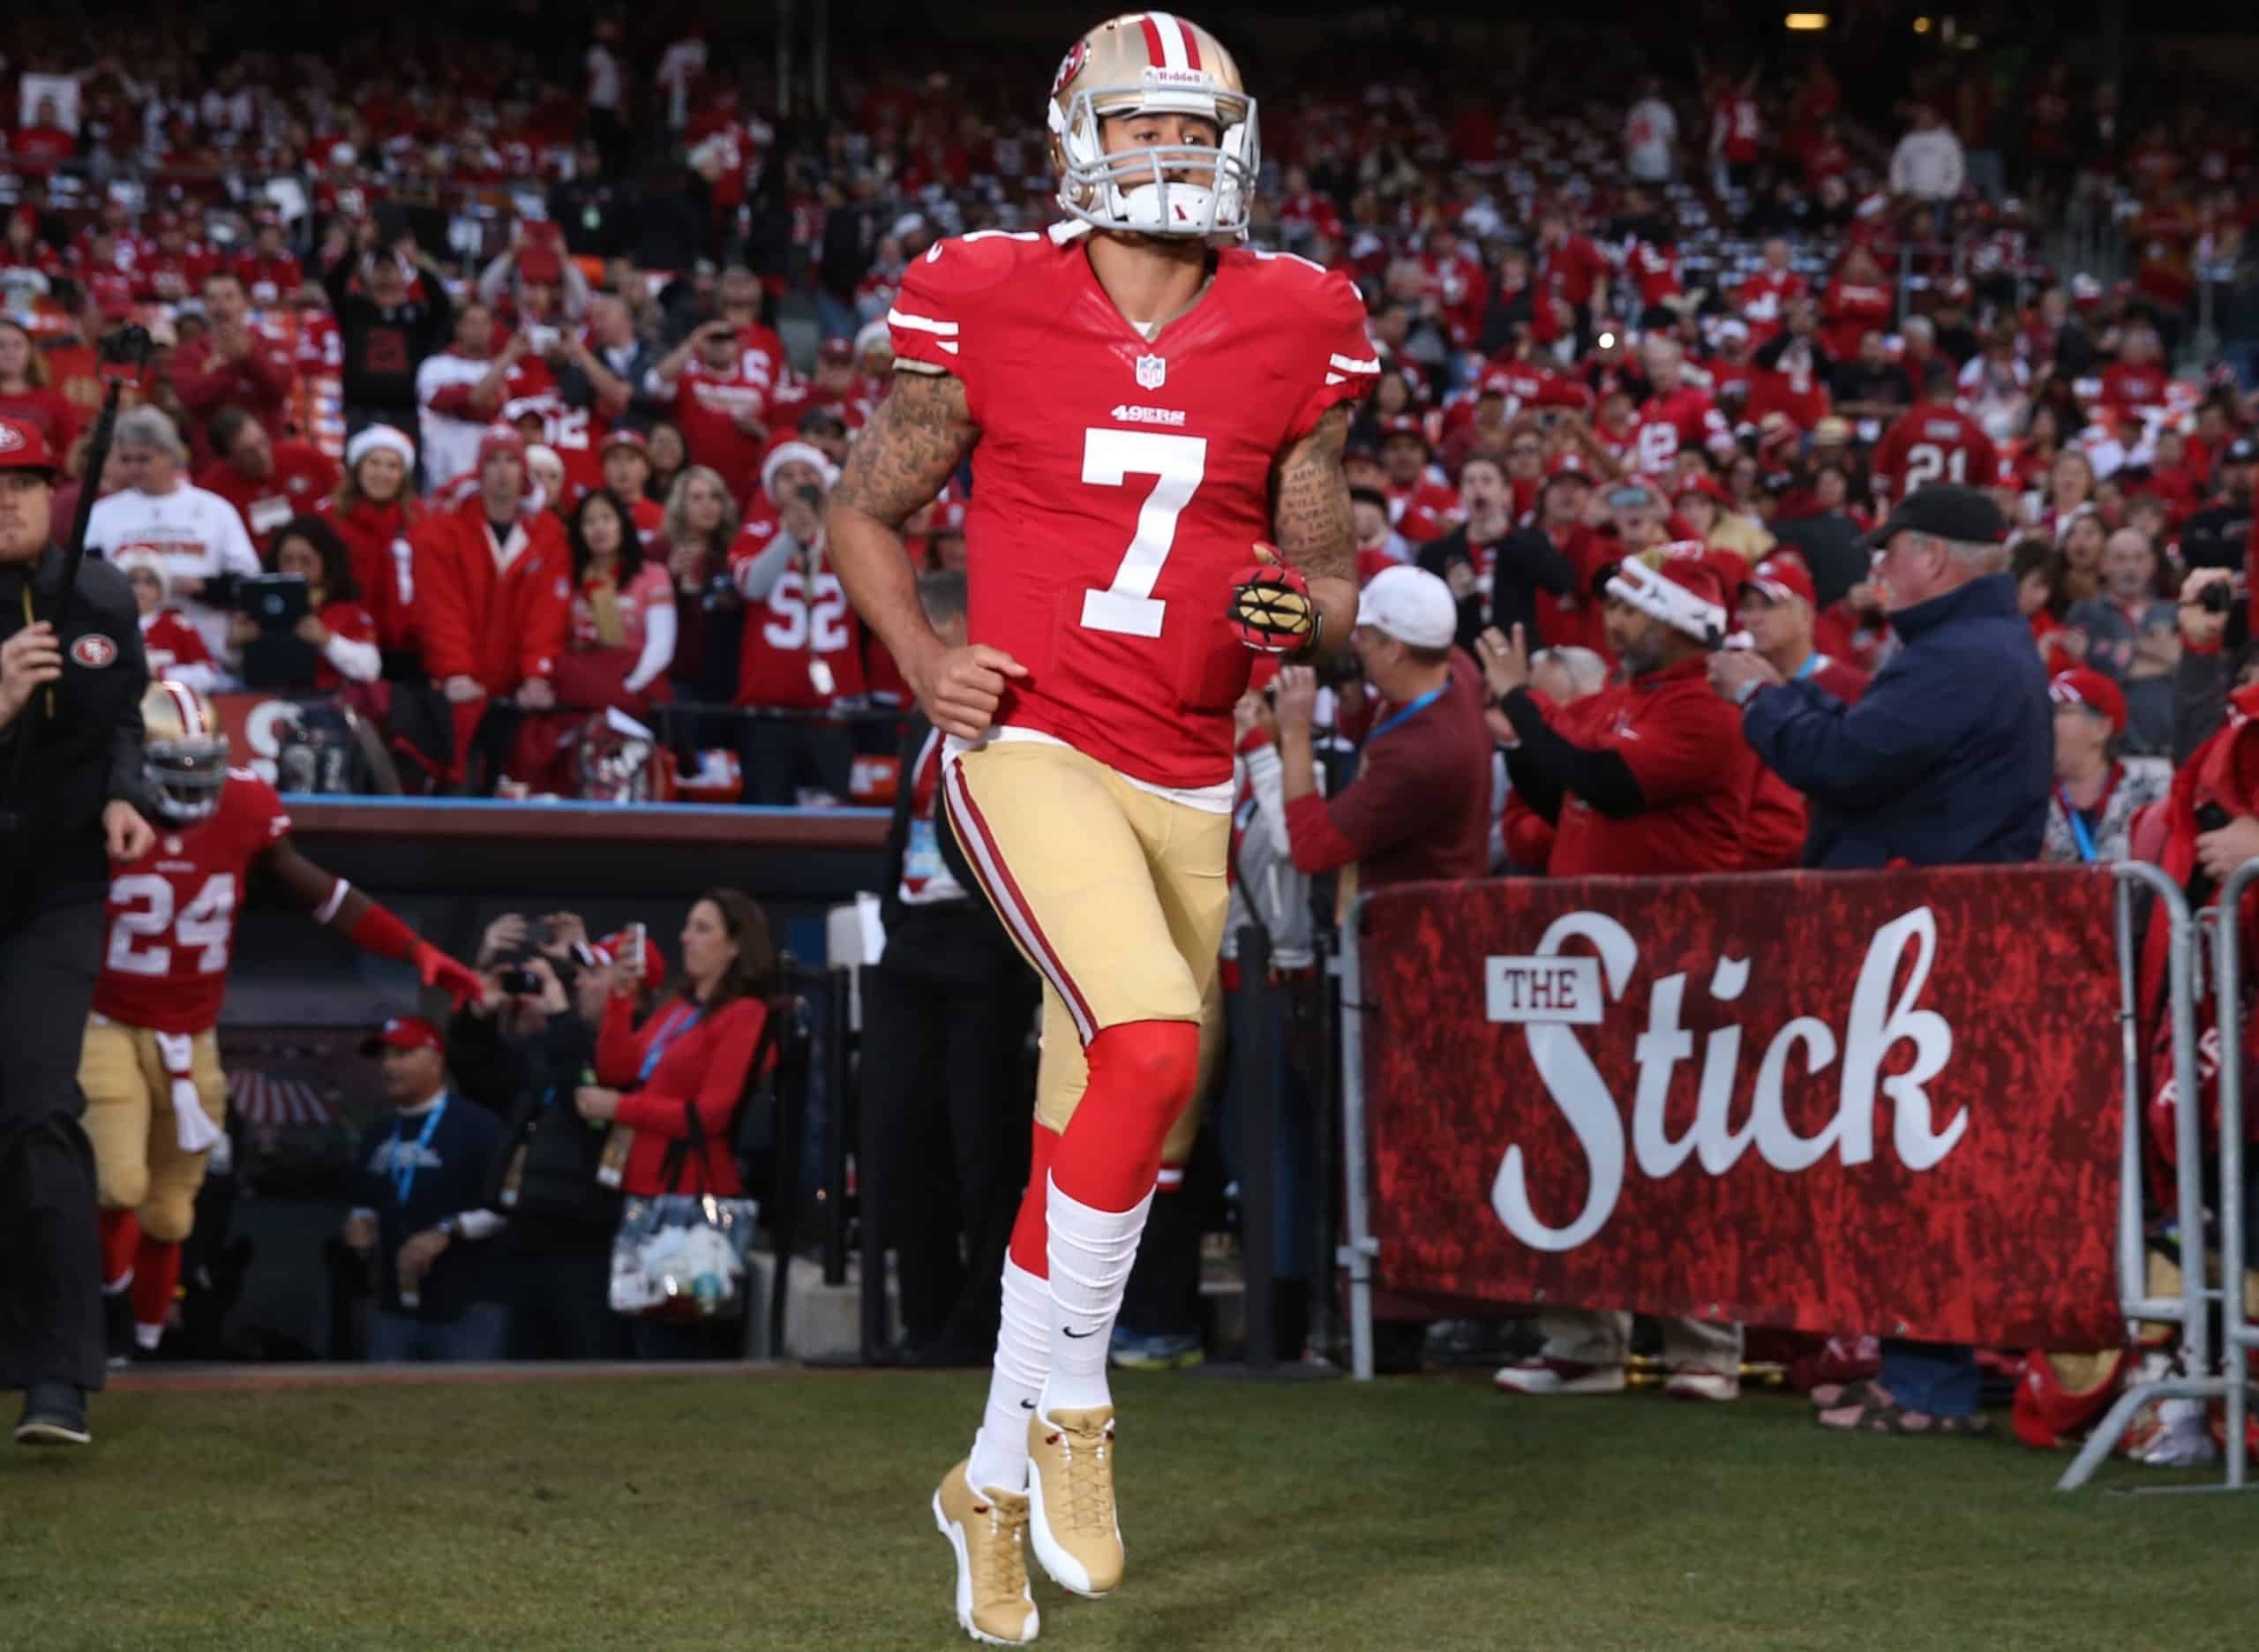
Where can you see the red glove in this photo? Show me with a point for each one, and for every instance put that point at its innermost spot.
(436, 969)
(1270, 610)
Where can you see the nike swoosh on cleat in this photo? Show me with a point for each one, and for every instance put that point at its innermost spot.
(1079, 1335)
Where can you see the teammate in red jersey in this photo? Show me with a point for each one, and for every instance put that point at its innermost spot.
(1934, 441)
(155, 1098)
(1150, 403)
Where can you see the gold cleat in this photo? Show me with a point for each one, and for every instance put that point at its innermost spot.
(1070, 1500)
(986, 1530)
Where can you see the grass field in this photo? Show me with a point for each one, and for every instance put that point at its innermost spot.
(789, 1510)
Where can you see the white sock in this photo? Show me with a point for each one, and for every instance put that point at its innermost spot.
(1090, 1252)
(1023, 1357)
(148, 1336)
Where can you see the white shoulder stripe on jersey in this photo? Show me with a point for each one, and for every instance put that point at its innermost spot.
(1335, 378)
(1350, 363)
(922, 323)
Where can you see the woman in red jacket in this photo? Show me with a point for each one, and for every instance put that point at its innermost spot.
(374, 513)
(693, 1056)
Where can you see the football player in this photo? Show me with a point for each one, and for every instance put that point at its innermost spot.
(155, 1098)
(1145, 403)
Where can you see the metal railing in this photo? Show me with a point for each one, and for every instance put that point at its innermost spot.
(2192, 1308)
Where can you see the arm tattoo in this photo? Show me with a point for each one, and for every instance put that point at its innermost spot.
(1310, 502)
(917, 437)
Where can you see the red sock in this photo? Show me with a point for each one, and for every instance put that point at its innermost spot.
(1142, 1074)
(156, 1275)
(1031, 1237)
(121, 1234)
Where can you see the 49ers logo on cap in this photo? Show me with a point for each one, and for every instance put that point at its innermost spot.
(1070, 65)
(11, 437)
(94, 652)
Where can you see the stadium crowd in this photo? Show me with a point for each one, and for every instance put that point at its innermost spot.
(491, 361)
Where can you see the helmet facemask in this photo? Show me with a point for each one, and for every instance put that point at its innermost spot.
(1131, 190)
(186, 776)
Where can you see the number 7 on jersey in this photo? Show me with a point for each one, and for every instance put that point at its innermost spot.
(1177, 463)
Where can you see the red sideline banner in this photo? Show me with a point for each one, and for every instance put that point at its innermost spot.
(1881, 1102)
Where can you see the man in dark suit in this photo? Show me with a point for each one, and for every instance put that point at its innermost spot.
(946, 1016)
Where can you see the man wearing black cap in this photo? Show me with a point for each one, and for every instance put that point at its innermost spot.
(71, 800)
(1945, 760)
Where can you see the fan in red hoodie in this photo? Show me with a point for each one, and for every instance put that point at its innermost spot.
(375, 512)
(268, 482)
(269, 271)
(1858, 302)
(1764, 297)
(719, 398)
(494, 594)
(232, 365)
(2136, 381)
(1421, 507)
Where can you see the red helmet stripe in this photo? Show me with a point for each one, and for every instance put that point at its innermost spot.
(1150, 24)
(1171, 42)
(1191, 43)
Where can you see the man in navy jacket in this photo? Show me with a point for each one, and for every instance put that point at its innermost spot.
(1946, 761)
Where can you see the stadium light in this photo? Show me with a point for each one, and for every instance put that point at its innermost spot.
(1805, 22)
(1921, 25)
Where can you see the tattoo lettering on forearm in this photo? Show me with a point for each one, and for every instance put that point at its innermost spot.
(917, 437)
(1310, 502)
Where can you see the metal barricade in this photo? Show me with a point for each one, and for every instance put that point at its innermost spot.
(2191, 1309)
(1358, 1247)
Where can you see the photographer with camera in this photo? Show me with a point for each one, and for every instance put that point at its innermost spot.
(717, 392)
(203, 541)
(523, 1054)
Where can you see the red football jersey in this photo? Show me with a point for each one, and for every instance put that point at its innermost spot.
(1929, 443)
(172, 913)
(801, 625)
(1121, 482)
(706, 407)
(1685, 417)
(303, 477)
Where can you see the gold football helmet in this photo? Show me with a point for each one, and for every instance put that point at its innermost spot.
(1153, 63)
(184, 756)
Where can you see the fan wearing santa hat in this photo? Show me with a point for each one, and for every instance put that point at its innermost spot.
(1644, 778)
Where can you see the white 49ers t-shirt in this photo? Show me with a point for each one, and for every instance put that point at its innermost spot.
(198, 534)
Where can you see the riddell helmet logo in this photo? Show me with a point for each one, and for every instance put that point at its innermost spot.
(93, 651)
(1070, 65)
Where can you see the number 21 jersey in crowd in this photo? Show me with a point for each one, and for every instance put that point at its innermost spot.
(1121, 481)
(172, 913)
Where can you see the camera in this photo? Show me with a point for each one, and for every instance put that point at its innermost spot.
(519, 982)
(2220, 597)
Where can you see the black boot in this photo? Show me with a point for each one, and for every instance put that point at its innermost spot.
(54, 1414)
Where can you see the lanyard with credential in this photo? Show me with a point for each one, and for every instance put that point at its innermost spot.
(663, 1037)
(2079, 832)
(404, 1165)
(1407, 714)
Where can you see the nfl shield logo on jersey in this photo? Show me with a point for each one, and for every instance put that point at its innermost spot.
(1150, 371)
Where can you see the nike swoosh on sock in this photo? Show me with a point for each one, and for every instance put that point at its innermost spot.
(1079, 1335)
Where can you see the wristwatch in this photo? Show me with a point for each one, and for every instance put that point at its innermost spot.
(450, 1227)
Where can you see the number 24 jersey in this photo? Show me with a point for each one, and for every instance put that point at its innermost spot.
(172, 913)
(1121, 482)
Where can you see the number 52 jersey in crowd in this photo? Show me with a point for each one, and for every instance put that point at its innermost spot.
(172, 913)
(1121, 481)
